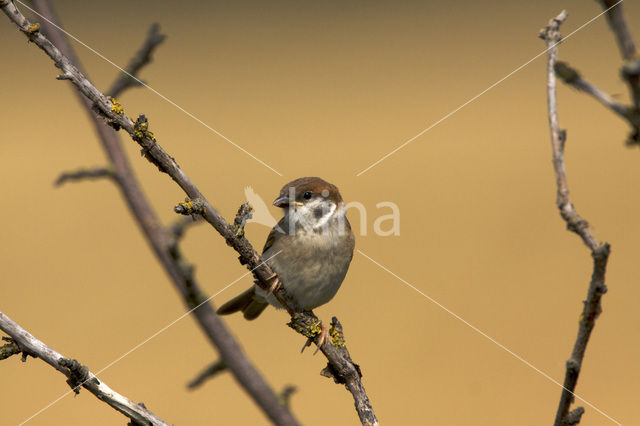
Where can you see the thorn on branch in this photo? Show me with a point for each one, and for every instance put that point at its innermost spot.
(285, 396)
(562, 136)
(574, 416)
(209, 372)
(244, 214)
(85, 173)
(180, 226)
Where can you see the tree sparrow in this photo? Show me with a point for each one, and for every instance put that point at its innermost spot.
(309, 249)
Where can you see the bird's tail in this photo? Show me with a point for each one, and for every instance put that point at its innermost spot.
(247, 302)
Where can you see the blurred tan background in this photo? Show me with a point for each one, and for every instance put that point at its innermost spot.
(327, 89)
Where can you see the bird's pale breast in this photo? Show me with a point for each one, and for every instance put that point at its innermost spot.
(311, 266)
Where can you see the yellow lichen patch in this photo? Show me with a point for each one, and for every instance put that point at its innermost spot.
(116, 106)
(238, 231)
(315, 327)
(33, 28)
(141, 131)
(337, 338)
(195, 206)
(307, 325)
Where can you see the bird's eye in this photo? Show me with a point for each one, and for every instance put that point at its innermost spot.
(307, 195)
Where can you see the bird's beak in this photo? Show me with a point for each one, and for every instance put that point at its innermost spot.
(282, 201)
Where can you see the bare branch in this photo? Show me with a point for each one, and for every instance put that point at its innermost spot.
(141, 58)
(599, 250)
(77, 374)
(85, 174)
(114, 115)
(213, 327)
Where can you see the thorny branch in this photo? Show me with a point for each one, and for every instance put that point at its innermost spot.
(343, 369)
(599, 250)
(214, 328)
(77, 374)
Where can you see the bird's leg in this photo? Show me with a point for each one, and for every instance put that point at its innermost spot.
(324, 333)
(307, 324)
(276, 284)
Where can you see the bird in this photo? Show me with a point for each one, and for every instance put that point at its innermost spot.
(261, 213)
(310, 250)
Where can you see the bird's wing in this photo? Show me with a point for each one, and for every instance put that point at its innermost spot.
(270, 240)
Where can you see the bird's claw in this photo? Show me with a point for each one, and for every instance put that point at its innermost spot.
(276, 284)
(324, 333)
(307, 324)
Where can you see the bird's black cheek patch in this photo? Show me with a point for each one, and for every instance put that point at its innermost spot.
(318, 212)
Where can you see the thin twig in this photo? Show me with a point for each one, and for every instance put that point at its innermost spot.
(77, 374)
(177, 230)
(207, 373)
(285, 395)
(114, 116)
(85, 174)
(213, 327)
(572, 77)
(628, 51)
(599, 251)
(142, 57)
(618, 24)
(9, 349)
